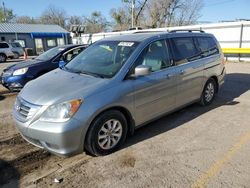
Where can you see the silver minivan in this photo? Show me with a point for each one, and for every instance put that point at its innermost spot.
(116, 85)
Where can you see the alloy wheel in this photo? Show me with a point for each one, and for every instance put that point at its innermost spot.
(209, 92)
(110, 134)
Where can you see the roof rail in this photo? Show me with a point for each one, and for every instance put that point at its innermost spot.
(187, 30)
(141, 31)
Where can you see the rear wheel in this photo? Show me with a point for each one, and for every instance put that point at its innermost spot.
(107, 133)
(3, 58)
(209, 92)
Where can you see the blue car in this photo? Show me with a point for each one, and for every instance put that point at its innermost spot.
(16, 76)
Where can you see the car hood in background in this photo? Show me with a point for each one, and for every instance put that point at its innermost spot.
(60, 86)
(26, 63)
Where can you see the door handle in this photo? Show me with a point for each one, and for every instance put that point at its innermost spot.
(182, 72)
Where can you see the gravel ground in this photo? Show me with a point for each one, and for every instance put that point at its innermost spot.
(194, 147)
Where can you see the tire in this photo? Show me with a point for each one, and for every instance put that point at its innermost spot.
(209, 92)
(107, 133)
(3, 58)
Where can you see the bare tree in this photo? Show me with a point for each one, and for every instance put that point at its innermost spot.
(25, 20)
(121, 18)
(173, 12)
(189, 12)
(140, 10)
(75, 20)
(54, 15)
(95, 23)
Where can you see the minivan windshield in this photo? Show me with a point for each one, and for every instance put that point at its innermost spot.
(46, 56)
(103, 59)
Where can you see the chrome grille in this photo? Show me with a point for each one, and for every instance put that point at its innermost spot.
(25, 110)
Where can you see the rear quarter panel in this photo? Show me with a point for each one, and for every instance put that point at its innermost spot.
(213, 67)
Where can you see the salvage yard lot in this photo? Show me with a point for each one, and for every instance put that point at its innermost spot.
(194, 147)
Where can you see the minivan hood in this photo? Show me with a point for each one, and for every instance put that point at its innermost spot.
(60, 86)
(24, 64)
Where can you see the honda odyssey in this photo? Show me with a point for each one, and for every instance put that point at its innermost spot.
(116, 85)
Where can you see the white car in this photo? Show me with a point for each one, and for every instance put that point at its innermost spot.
(5, 51)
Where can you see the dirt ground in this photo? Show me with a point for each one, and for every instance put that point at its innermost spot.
(194, 147)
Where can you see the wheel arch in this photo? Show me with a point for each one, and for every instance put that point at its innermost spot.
(124, 111)
(1, 53)
(216, 81)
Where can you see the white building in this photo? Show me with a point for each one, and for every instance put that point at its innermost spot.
(231, 35)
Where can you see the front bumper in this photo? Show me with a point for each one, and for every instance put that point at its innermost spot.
(62, 139)
(13, 82)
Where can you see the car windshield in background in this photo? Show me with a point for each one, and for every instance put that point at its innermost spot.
(50, 54)
(103, 59)
(16, 45)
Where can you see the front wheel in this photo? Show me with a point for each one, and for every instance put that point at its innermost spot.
(208, 93)
(107, 133)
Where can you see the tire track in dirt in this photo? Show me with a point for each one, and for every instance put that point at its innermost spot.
(24, 164)
(7, 125)
(14, 147)
(32, 163)
(23, 157)
(16, 139)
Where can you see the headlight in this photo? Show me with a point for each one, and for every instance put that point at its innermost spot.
(20, 71)
(61, 112)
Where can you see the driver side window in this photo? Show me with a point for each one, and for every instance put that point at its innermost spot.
(155, 55)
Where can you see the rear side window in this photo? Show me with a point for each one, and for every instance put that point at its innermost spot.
(184, 50)
(207, 46)
(4, 45)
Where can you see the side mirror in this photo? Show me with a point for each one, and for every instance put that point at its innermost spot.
(142, 70)
(62, 64)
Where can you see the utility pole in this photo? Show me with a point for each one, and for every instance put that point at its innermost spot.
(4, 13)
(132, 12)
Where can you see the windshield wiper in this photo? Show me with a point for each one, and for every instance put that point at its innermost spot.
(83, 72)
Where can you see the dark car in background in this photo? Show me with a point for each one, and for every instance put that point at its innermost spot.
(16, 76)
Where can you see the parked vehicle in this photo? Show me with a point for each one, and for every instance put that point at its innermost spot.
(16, 76)
(17, 49)
(5, 52)
(115, 86)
